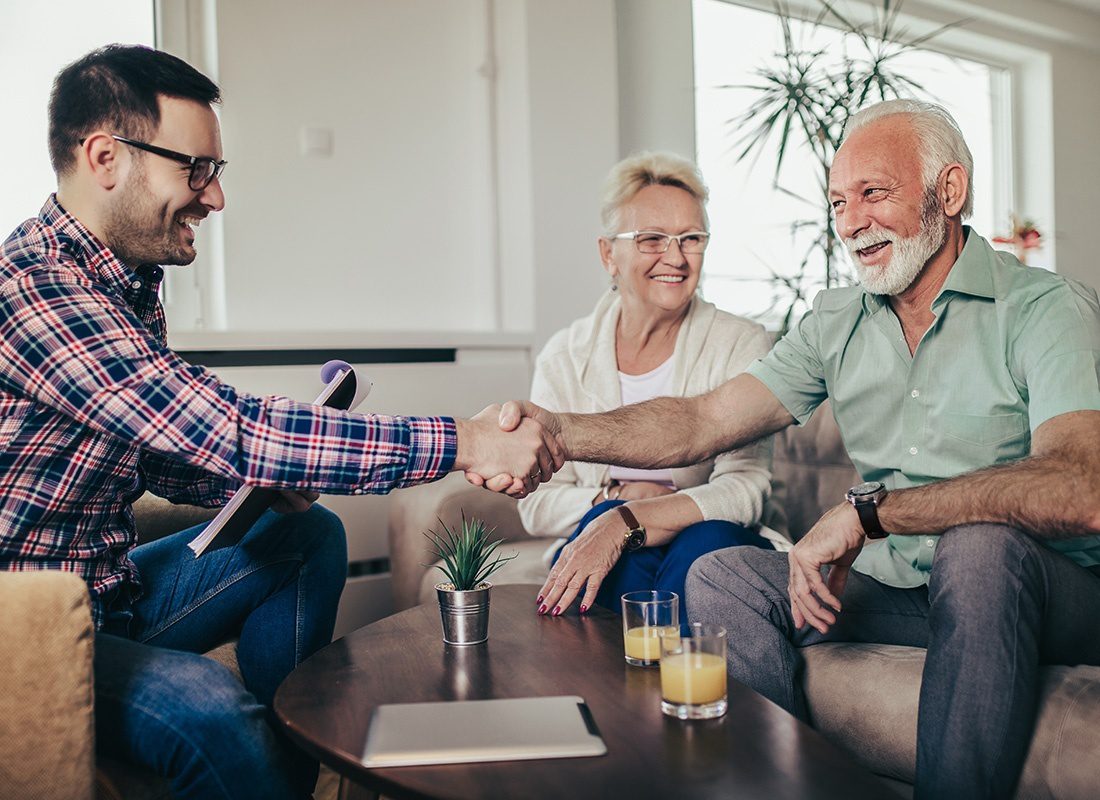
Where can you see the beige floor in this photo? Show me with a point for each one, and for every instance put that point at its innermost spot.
(328, 784)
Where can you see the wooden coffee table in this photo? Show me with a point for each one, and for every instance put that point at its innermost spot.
(756, 750)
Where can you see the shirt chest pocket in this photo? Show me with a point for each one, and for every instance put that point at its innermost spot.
(985, 430)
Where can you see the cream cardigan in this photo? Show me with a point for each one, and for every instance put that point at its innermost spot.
(577, 371)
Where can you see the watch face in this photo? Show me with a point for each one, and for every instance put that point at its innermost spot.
(866, 489)
(635, 539)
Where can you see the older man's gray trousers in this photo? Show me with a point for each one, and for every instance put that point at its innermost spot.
(998, 605)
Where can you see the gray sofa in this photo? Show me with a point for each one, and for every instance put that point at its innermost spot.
(863, 697)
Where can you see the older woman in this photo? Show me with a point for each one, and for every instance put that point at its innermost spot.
(651, 335)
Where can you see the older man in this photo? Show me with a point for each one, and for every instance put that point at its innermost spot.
(95, 408)
(966, 387)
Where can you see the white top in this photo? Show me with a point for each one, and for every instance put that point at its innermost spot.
(638, 389)
(577, 371)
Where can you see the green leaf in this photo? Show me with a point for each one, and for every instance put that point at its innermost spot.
(467, 553)
(804, 100)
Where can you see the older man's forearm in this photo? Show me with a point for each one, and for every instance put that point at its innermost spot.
(1044, 496)
(661, 433)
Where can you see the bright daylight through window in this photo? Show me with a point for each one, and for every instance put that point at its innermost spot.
(754, 263)
(29, 178)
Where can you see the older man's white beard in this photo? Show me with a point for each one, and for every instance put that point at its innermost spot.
(910, 254)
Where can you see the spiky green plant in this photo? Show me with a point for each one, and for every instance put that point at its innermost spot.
(468, 556)
(805, 100)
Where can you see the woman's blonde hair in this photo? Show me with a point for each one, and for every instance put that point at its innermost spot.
(640, 170)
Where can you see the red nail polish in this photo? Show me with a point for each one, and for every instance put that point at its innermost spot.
(542, 609)
(557, 610)
(539, 599)
(584, 608)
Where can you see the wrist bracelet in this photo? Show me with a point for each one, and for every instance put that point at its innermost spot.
(607, 490)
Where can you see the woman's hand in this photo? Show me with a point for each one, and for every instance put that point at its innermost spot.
(585, 560)
(643, 490)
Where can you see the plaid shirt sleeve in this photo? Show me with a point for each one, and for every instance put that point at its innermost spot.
(182, 483)
(79, 349)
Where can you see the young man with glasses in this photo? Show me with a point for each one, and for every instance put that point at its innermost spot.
(94, 409)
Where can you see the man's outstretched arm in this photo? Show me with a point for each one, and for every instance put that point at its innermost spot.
(665, 432)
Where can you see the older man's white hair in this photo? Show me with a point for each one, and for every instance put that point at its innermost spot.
(941, 141)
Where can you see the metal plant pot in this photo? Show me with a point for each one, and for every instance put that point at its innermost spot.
(465, 614)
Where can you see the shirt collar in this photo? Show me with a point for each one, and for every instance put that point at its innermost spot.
(972, 273)
(95, 256)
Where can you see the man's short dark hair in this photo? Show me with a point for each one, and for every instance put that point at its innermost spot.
(116, 87)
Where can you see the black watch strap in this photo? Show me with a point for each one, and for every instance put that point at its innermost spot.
(868, 516)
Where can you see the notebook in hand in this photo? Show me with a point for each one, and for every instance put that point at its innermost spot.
(513, 729)
(343, 391)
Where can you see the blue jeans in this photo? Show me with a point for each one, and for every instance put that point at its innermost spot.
(664, 567)
(162, 705)
(999, 604)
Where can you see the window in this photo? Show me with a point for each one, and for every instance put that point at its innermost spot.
(753, 246)
(70, 29)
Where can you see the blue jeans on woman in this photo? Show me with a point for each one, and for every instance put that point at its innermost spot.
(162, 705)
(666, 566)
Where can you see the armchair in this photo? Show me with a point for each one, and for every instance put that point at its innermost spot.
(47, 720)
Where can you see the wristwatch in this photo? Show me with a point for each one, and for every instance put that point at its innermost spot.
(634, 538)
(865, 497)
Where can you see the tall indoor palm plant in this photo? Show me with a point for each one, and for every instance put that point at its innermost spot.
(804, 99)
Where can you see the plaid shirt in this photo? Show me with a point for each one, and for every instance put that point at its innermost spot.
(95, 409)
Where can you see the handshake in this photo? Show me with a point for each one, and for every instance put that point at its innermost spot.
(510, 448)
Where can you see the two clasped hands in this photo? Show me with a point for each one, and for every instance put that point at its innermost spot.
(511, 448)
(514, 447)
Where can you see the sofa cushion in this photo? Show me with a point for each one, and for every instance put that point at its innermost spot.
(46, 713)
(156, 517)
(811, 470)
(1062, 761)
(864, 698)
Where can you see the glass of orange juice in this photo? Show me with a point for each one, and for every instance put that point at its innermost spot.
(644, 615)
(693, 671)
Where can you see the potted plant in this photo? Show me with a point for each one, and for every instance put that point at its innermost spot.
(468, 558)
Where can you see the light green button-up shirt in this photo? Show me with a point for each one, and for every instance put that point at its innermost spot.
(1010, 348)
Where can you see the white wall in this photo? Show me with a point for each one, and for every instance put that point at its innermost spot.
(470, 141)
(27, 70)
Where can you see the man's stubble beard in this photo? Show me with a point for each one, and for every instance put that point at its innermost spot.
(140, 232)
(910, 254)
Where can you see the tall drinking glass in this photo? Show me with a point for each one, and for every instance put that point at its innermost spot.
(645, 614)
(693, 671)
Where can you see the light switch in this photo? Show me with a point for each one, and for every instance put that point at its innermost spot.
(317, 142)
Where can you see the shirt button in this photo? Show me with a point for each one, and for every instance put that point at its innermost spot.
(930, 542)
(915, 393)
(913, 451)
(135, 285)
(357, 491)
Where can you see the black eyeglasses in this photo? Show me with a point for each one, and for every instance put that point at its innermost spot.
(203, 170)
